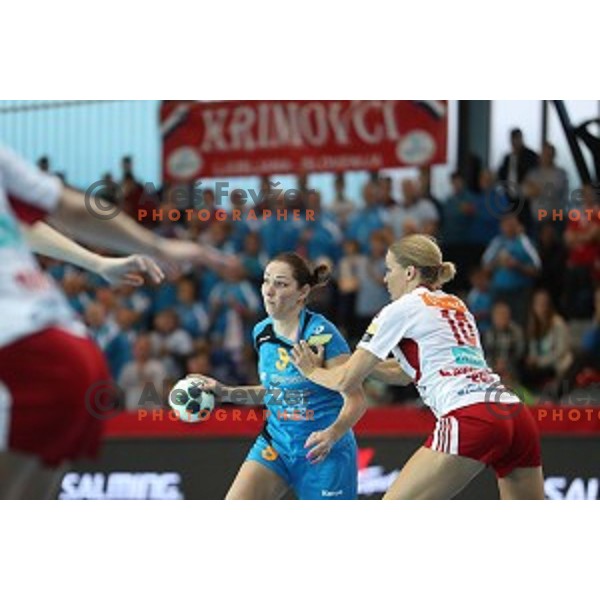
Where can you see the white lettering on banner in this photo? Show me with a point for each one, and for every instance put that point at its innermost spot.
(315, 124)
(357, 161)
(340, 123)
(263, 126)
(214, 121)
(371, 137)
(285, 128)
(389, 120)
(121, 486)
(241, 128)
(558, 488)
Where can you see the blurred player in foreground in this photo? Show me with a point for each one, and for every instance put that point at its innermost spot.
(434, 338)
(307, 443)
(47, 362)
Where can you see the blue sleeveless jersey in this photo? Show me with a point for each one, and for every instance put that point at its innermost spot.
(296, 406)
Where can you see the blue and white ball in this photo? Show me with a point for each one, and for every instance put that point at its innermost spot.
(190, 402)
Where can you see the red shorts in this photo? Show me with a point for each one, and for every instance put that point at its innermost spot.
(502, 436)
(44, 379)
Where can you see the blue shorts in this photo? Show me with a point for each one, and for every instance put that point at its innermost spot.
(335, 478)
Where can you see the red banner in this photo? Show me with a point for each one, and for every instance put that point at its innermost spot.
(225, 139)
(392, 421)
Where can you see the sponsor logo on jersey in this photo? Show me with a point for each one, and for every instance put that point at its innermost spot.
(465, 355)
(319, 340)
(473, 388)
(331, 493)
(447, 302)
(456, 371)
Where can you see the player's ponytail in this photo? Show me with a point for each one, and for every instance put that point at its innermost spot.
(447, 272)
(320, 276)
(423, 253)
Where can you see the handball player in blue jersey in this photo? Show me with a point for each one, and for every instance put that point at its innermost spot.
(307, 444)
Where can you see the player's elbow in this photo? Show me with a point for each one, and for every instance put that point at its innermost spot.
(348, 381)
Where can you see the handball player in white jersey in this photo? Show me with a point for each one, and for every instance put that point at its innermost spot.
(433, 341)
(47, 361)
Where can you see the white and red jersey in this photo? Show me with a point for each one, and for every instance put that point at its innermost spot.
(434, 338)
(29, 300)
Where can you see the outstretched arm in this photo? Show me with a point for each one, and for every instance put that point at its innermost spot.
(45, 240)
(124, 235)
(341, 378)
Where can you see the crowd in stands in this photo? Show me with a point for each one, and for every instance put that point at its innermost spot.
(531, 280)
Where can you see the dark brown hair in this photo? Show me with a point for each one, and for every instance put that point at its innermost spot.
(539, 327)
(302, 272)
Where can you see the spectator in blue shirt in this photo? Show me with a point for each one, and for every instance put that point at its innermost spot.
(111, 340)
(75, 285)
(192, 315)
(342, 208)
(279, 232)
(514, 264)
(458, 212)
(372, 294)
(479, 299)
(320, 237)
(368, 219)
(490, 203)
(254, 260)
(234, 306)
(238, 217)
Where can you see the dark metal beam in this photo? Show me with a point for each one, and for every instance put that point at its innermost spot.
(565, 121)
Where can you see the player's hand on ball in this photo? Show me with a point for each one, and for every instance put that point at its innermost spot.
(320, 444)
(305, 359)
(130, 270)
(208, 384)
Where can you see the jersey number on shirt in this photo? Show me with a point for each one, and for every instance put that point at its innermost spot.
(464, 332)
(284, 359)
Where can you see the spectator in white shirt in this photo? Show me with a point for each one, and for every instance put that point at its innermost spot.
(144, 377)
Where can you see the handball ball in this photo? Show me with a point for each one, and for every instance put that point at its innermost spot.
(190, 402)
